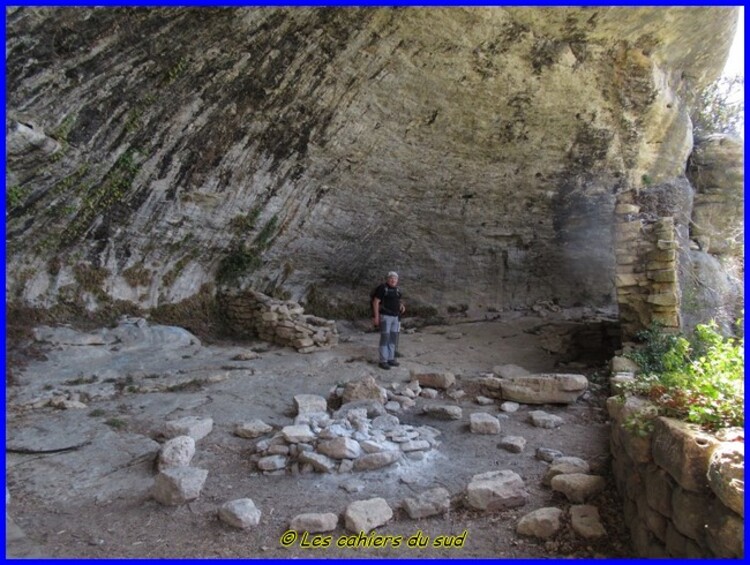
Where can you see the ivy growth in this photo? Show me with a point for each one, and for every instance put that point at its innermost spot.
(698, 380)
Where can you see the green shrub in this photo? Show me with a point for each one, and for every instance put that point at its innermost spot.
(699, 380)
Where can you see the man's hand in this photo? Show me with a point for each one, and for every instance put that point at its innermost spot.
(376, 322)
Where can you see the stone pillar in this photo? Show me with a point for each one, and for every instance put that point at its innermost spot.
(646, 274)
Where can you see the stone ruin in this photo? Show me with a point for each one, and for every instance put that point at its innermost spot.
(353, 430)
(284, 322)
(358, 436)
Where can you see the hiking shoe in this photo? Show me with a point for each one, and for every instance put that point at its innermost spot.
(385, 366)
(394, 363)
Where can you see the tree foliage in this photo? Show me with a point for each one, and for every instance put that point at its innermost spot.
(720, 107)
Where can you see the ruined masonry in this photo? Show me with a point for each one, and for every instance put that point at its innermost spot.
(646, 278)
(252, 313)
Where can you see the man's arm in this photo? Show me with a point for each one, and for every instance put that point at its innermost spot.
(376, 311)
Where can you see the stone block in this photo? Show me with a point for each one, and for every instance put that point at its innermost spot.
(726, 472)
(542, 523)
(241, 513)
(440, 380)
(665, 276)
(544, 388)
(365, 515)
(496, 490)
(483, 423)
(314, 522)
(578, 487)
(684, 451)
(177, 485)
(429, 503)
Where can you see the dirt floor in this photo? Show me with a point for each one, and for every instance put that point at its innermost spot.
(93, 501)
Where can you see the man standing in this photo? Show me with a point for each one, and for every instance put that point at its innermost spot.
(386, 310)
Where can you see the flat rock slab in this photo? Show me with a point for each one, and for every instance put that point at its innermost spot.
(365, 515)
(584, 518)
(542, 523)
(578, 487)
(429, 503)
(542, 419)
(314, 522)
(545, 388)
(496, 490)
(97, 465)
(437, 380)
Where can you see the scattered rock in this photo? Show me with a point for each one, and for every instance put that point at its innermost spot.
(578, 487)
(178, 485)
(177, 452)
(565, 466)
(509, 406)
(547, 454)
(542, 419)
(441, 381)
(484, 400)
(585, 521)
(314, 523)
(429, 503)
(496, 490)
(365, 515)
(252, 429)
(542, 523)
(483, 423)
(514, 444)
(241, 513)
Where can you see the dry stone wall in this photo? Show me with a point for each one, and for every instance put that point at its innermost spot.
(683, 489)
(647, 284)
(252, 313)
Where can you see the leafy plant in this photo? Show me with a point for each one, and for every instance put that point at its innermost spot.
(699, 380)
(719, 107)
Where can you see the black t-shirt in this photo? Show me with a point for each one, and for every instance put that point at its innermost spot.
(390, 299)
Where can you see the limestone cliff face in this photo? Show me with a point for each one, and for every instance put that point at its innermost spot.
(480, 152)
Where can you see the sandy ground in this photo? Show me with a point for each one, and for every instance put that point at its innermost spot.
(92, 500)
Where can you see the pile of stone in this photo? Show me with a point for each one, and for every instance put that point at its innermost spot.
(284, 322)
(359, 436)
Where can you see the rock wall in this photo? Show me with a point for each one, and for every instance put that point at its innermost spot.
(712, 269)
(683, 489)
(481, 152)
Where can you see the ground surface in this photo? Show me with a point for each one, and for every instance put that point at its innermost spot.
(91, 499)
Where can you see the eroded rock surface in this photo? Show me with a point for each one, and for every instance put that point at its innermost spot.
(172, 148)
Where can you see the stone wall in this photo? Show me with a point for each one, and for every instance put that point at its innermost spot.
(646, 274)
(683, 489)
(252, 313)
